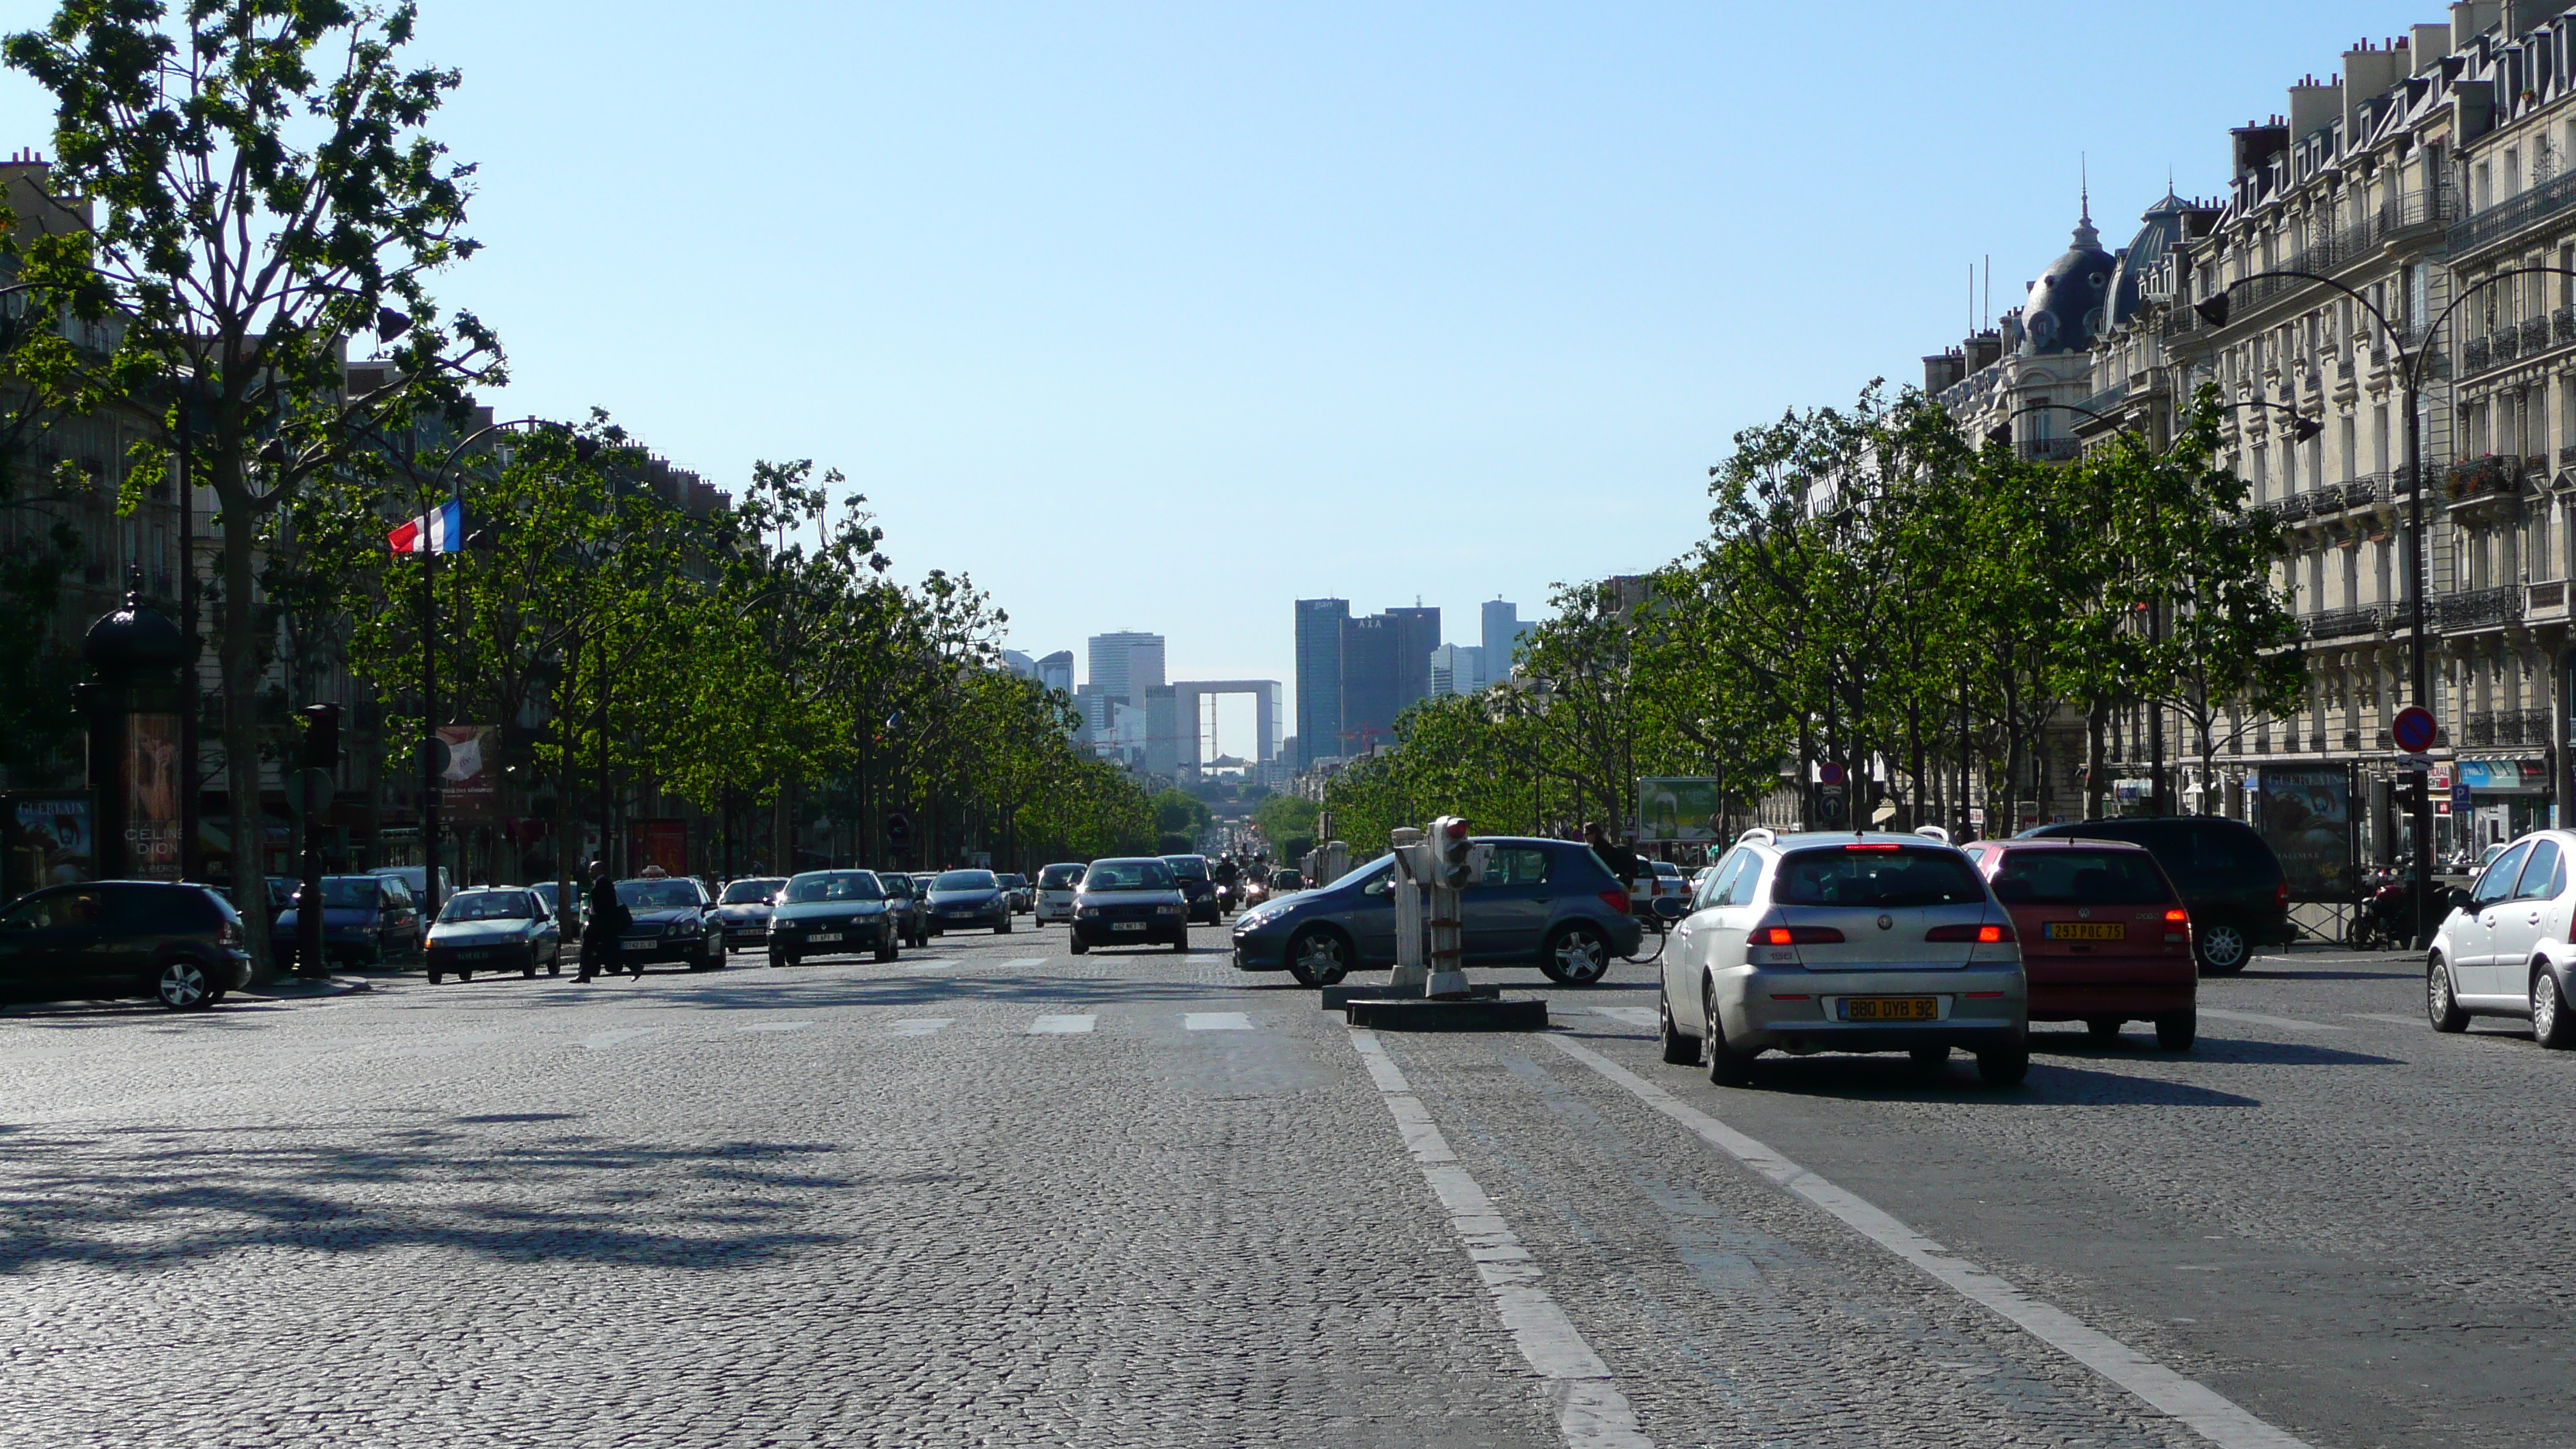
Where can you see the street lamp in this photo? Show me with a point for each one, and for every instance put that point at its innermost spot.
(2214, 310)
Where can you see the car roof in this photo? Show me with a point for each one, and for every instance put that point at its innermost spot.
(2056, 842)
(1811, 839)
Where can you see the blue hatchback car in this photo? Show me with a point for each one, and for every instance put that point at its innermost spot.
(1551, 904)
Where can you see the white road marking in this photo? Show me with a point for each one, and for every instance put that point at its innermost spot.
(2214, 1417)
(2259, 1019)
(775, 1026)
(620, 1037)
(2390, 1017)
(1633, 1015)
(1591, 1413)
(1024, 961)
(934, 961)
(1216, 1021)
(920, 1025)
(1061, 1025)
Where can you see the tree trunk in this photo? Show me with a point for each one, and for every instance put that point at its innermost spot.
(2096, 764)
(237, 654)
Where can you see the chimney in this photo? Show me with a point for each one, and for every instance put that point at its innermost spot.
(2431, 43)
(1944, 370)
(2314, 104)
(2471, 19)
(2367, 75)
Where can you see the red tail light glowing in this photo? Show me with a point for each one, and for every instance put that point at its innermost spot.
(1801, 936)
(1616, 900)
(1982, 935)
(1873, 847)
(2178, 916)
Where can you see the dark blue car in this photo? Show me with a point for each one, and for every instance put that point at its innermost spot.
(1551, 904)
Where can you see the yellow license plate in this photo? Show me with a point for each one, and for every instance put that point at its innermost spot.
(1892, 1008)
(2085, 931)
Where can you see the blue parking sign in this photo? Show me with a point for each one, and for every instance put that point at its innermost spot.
(2460, 795)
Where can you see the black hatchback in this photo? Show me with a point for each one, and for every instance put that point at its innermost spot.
(2228, 879)
(181, 945)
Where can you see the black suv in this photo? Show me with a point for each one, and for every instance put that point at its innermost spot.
(1198, 888)
(182, 945)
(2228, 878)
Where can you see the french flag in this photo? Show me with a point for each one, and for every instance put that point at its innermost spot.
(442, 530)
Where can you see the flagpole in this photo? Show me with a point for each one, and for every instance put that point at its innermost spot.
(429, 762)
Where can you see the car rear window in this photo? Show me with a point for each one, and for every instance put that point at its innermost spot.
(1876, 876)
(2079, 878)
(1059, 877)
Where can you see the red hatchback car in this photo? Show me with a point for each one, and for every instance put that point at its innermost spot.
(2104, 937)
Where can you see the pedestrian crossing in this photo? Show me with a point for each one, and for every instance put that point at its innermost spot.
(1062, 1025)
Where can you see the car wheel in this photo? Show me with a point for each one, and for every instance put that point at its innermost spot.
(464, 975)
(885, 950)
(2004, 1066)
(1679, 1050)
(184, 986)
(1727, 1067)
(2441, 1007)
(2103, 1029)
(2552, 1024)
(1079, 945)
(2222, 948)
(2175, 1030)
(554, 963)
(778, 959)
(1181, 942)
(436, 976)
(1931, 1060)
(1003, 929)
(1318, 956)
(529, 971)
(1578, 955)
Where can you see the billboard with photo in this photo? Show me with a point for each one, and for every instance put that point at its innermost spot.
(470, 787)
(50, 840)
(1682, 810)
(2305, 814)
(152, 796)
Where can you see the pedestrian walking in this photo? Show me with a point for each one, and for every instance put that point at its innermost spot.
(1621, 860)
(602, 938)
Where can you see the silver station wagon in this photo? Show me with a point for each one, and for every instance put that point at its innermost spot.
(1845, 943)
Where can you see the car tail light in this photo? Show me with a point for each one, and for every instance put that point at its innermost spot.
(1873, 847)
(2177, 917)
(2281, 894)
(1983, 935)
(1801, 936)
(228, 934)
(1616, 900)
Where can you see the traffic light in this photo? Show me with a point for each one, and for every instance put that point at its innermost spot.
(1457, 862)
(2410, 792)
(321, 736)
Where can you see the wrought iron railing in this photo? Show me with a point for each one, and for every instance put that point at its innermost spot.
(2341, 623)
(2052, 450)
(2527, 726)
(2103, 401)
(2479, 608)
(2535, 334)
(2481, 729)
(2500, 221)
(2504, 344)
(2473, 354)
(2295, 507)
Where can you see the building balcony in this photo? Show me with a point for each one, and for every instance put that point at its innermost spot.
(2535, 335)
(2500, 223)
(2481, 728)
(2342, 623)
(2479, 609)
(2051, 450)
(2473, 355)
(2522, 727)
(2545, 602)
(2504, 344)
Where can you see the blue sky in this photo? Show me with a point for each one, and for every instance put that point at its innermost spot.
(1161, 316)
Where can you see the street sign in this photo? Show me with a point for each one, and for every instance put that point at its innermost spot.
(2460, 796)
(1830, 774)
(1830, 806)
(309, 792)
(2415, 762)
(2413, 729)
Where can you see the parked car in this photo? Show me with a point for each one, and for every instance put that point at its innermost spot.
(415, 879)
(903, 901)
(2230, 881)
(366, 920)
(550, 892)
(2105, 938)
(1848, 942)
(744, 909)
(1544, 903)
(963, 899)
(1198, 887)
(1055, 891)
(833, 913)
(494, 928)
(1657, 880)
(673, 921)
(1022, 895)
(2503, 948)
(181, 945)
(1130, 902)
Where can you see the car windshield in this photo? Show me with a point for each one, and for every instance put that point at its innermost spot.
(834, 885)
(657, 895)
(1286, 880)
(1012, 882)
(964, 880)
(2079, 878)
(1187, 867)
(1128, 875)
(349, 892)
(490, 906)
(1059, 877)
(1876, 876)
(751, 892)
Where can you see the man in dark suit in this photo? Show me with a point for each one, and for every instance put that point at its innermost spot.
(609, 918)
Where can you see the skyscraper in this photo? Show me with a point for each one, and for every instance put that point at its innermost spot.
(1319, 679)
(1056, 671)
(1386, 667)
(1503, 634)
(1125, 665)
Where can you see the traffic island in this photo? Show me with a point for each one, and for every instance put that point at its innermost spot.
(1449, 1013)
(1337, 997)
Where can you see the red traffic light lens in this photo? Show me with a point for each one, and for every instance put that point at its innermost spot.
(1457, 830)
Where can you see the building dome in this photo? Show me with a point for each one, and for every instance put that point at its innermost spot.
(2160, 234)
(2065, 312)
(134, 640)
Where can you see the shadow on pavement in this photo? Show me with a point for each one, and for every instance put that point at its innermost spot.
(139, 1197)
(2051, 1084)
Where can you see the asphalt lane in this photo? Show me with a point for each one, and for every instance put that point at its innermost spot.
(998, 1194)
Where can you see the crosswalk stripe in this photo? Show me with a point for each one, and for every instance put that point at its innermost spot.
(1216, 1021)
(1061, 1025)
(1024, 961)
(934, 961)
(921, 1025)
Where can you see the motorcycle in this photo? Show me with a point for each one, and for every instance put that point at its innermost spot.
(1228, 896)
(2386, 920)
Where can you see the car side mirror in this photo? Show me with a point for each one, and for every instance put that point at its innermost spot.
(1670, 908)
(2460, 900)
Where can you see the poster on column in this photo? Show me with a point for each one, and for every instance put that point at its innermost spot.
(49, 841)
(2305, 815)
(152, 796)
(470, 790)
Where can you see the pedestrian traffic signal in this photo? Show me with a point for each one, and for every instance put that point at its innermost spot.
(1457, 862)
(2410, 792)
(321, 736)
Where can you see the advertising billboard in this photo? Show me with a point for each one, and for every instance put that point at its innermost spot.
(50, 841)
(152, 796)
(470, 787)
(659, 842)
(1680, 810)
(2305, 815)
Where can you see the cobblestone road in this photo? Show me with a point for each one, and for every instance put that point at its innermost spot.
(998, 1195)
